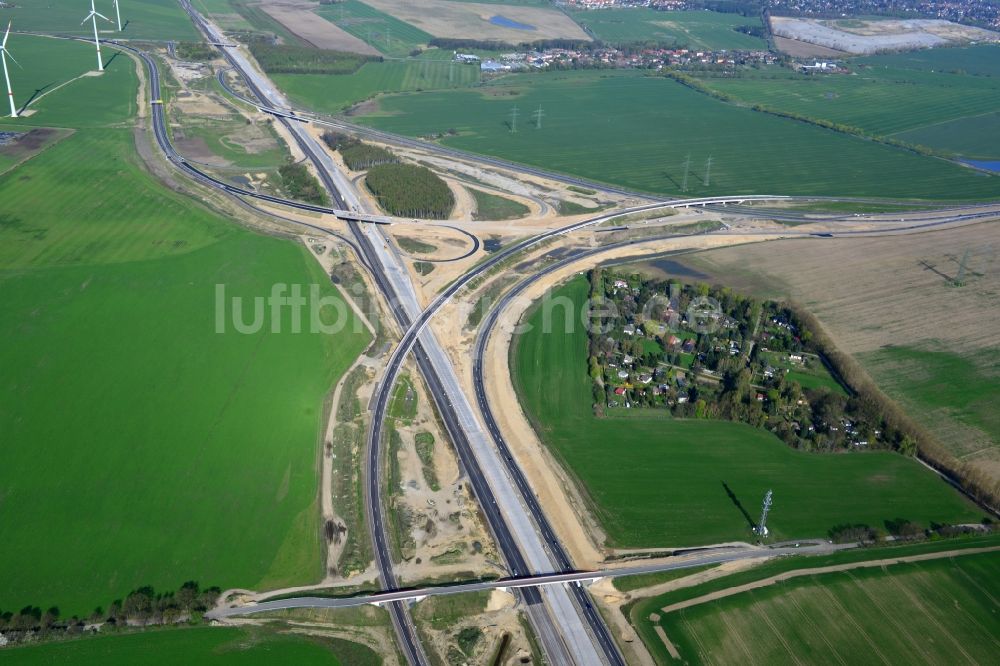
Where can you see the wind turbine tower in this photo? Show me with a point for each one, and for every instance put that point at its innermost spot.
(92, 16)
(687, 168)
(4, 54)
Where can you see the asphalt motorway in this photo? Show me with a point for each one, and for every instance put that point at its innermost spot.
(566, 629)
(371, 251)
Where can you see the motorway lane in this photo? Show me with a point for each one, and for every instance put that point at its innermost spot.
(405, 308)
(341, 193)
(401, 279)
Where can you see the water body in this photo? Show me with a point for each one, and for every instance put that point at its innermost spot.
(989, 165)
(505, 22)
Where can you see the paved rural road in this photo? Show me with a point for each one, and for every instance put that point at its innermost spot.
(708, 557)
(392, 280)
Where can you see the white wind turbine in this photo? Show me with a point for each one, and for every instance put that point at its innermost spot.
(118, 16)
(4, 54)
(92, 16)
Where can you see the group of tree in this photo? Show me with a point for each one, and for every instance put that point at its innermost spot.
(734, 386)
(195, 51)
(290, 59)
(141, 607)
(357, 154)
(409, 190)
(723, 372)
(741, 7)
(300, 184)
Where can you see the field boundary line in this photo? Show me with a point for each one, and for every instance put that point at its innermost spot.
(834, 568)
(942, 122)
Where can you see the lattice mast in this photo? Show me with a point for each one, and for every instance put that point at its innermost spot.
(765, 508)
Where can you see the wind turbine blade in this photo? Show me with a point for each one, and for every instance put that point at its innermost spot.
(7, 53)
(87, 19)
(102, 16)
(6, 35)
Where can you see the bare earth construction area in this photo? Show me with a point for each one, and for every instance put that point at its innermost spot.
(859, 36)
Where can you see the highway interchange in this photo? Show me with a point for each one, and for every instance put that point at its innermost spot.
(567, 624)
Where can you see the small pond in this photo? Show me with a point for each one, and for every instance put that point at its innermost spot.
(505, 22)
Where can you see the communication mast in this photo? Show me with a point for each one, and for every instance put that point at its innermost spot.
(960, 278)
(761, 528)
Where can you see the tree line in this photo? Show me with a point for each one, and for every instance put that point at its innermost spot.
(901, 529)
(458, 44)
(974, 481)
(357, 154)
(408, 190)
(142, 606)
(695, 84)
(289, 59)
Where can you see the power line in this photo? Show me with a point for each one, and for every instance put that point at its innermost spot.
(538, 117)
(687, 168)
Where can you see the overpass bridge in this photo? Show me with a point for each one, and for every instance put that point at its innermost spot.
(695, 558)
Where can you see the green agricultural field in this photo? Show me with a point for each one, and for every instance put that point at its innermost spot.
(981, 60)
(938, 386)
(122, 407)
(639, 131)
(658, 482)
(217, 645)
(386, 33)
(141, 19)
(972, 137)
(332, 94)
(948, 111)
(494, 207)
(925, 612)
(56, 86)
(694, 29)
